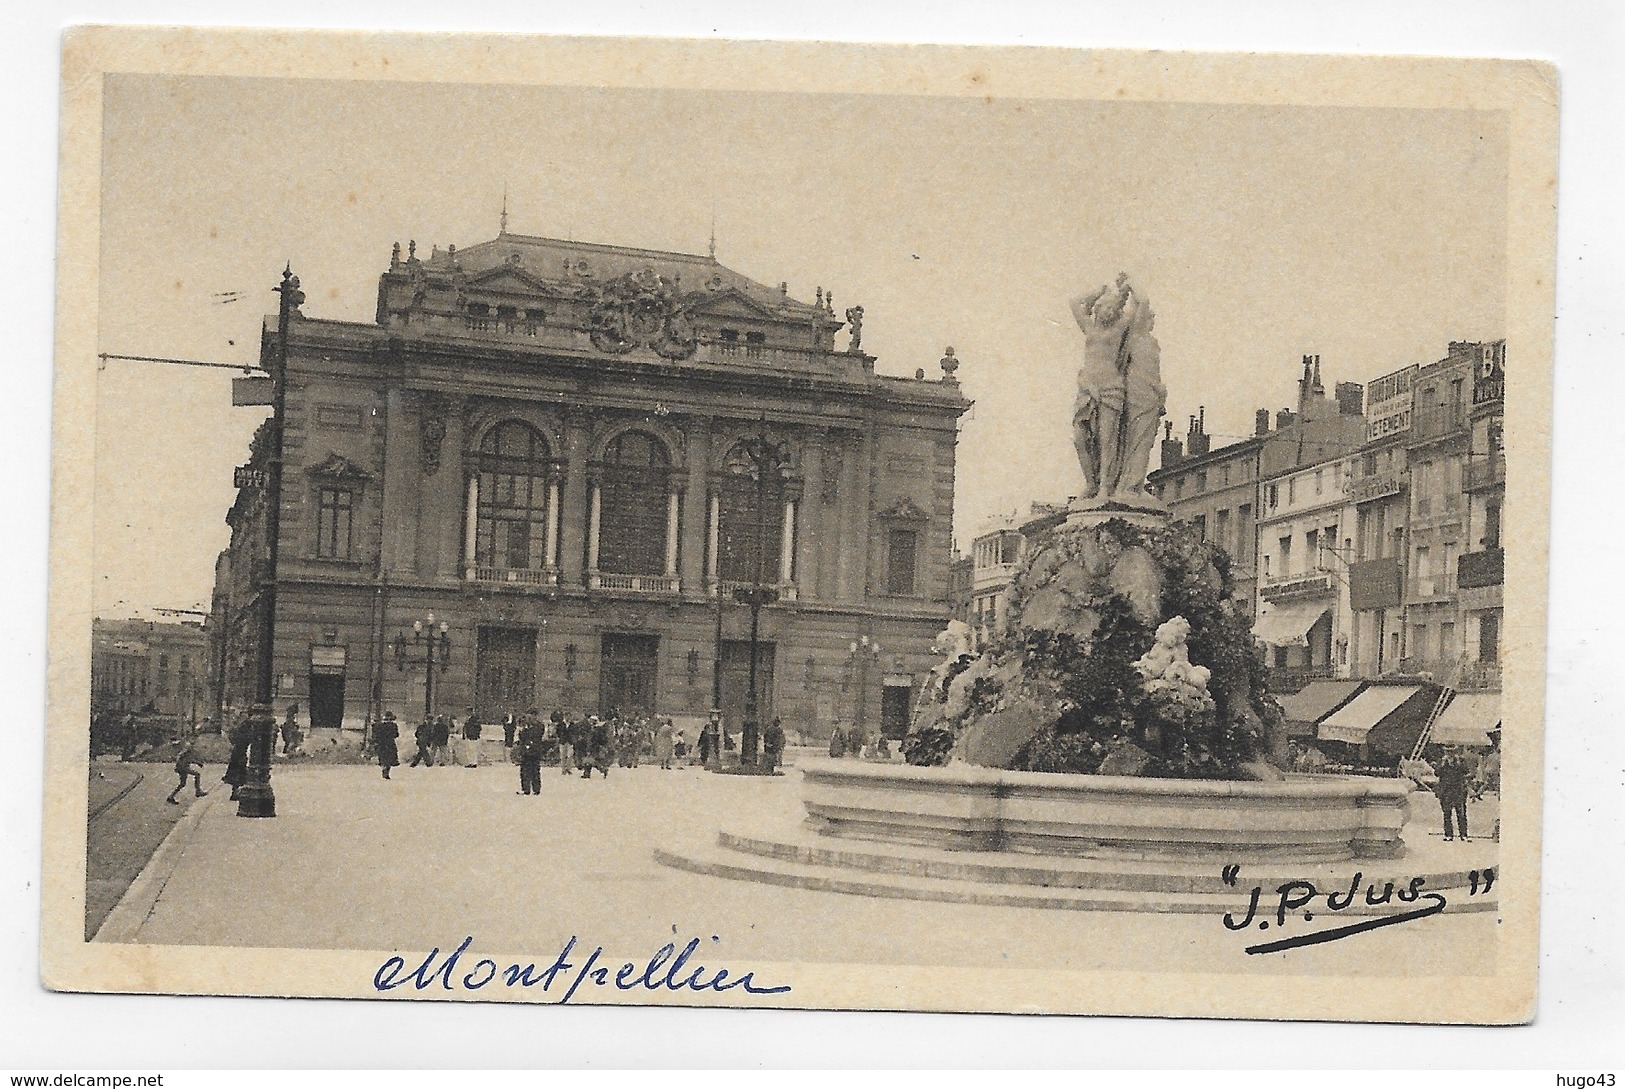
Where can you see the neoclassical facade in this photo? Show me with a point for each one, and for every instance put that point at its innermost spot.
(572, 455)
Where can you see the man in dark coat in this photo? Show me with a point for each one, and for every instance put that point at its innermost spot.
(388, 734)
(424, 736)
(440, 741)
(773, 745)
(1451, 788)
(530, 757)
(509, 727)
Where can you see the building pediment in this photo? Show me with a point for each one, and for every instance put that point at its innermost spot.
(731, 303)
(507, 279)
(339, 468)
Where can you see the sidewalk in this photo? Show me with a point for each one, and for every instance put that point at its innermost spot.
(356, 862)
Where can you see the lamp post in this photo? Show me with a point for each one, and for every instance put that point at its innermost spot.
(256, 798)
(432, 640)
(859, 655)
(759, 458)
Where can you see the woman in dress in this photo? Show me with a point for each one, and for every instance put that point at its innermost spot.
(388, 733)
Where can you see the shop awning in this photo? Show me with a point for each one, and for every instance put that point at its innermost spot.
(1355, 719)
(1317, 699)
(1469, 719)
(1288, 623)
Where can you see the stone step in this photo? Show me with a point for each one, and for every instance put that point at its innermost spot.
(716, 860)
(1052, 872)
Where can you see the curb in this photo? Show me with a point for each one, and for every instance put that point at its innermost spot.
(123, 793)
(130, 913)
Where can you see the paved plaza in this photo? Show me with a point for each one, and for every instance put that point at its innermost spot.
(356, 862)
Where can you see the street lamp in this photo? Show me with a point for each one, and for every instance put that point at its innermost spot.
(434, 643)
(255, 798)
(860, 654)
(760, 458)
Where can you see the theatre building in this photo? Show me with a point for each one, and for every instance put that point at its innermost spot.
(571, 456)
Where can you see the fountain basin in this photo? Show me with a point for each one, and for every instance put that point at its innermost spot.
(967, 808)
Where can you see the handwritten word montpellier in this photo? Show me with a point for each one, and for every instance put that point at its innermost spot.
(663, 971)
(1293, 896)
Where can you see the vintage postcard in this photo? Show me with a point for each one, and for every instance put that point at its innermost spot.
(799, 526)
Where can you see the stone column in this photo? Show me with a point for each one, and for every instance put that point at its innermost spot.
(714, 537)
(787, 542)
(811, 516)
(471, 527)
(551, 556)
(691, 522)
(672, 502)
(573, 501)
(593, 514)
(400, 486)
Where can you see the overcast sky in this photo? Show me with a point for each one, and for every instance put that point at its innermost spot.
(1371, 237)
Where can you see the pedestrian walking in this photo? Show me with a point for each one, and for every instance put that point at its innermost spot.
(237, 763)
(530, 757)
(665, 743)
(440, 741)
(388, 734)
(188, 766)
(773, 744)
(598, 748)
(509, 727)
(837, 740)
(1451, 788)
(290, 730)
(469, 747)
(566, 731)
(424, 736)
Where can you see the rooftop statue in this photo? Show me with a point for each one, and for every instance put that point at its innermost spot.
(1120, 395)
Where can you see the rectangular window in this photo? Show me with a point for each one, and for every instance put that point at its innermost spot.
(1424, 571)
(1221, 532)
(1319, 480)
(1200, 522)
(901, 552)
(1244, 533)
(1311, 548)
(1447, 641)
(333, 523)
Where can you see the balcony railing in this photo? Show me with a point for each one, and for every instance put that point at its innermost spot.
(1484, 472)
(1430, 423)
(1486, 568)
(787, 590)
(514, 576)
(637, 584)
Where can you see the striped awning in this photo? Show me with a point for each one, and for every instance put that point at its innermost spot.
(1305, 708)
(1469, 719)
(1355, 719)
(1288, 623)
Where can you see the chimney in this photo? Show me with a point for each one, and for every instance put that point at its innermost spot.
(1197, 442)
(1320, 390)
(1285, 419)
(1350, 398)
(1261, 422)
(1305, 383)
(1173, 451)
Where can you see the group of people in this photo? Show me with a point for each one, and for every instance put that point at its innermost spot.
(852, 740)
(582, 743)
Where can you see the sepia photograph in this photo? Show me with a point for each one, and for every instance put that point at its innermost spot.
(789, 525)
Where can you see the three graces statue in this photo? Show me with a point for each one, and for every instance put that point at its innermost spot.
(1120, 396)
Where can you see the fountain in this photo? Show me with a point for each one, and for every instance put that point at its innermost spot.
(1114, 747)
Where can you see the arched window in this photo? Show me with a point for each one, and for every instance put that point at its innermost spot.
(513, 478)
(750, 517)
(634, 489)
